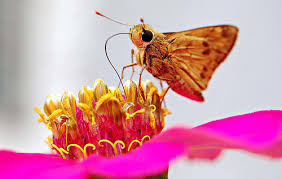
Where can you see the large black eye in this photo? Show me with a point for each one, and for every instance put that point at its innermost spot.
(147, 35)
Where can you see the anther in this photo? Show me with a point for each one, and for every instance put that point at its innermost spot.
(99, 89)
(86, 96)
(41, 114)
(131, 91)
(109, 105)
(68, 104)
(117, 93)
(51, 104)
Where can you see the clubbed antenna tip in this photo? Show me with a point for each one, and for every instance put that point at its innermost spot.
(100, 14)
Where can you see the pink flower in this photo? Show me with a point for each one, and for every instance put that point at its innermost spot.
(86, 134)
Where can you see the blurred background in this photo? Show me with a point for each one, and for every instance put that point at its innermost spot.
(48, 47)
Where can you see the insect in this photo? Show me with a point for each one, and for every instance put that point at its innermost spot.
(186, 60)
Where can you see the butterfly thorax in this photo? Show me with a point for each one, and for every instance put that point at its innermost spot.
(147, 41)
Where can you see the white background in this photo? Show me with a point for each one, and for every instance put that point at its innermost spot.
(57, 45)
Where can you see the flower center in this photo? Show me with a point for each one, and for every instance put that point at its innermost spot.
(103, 122)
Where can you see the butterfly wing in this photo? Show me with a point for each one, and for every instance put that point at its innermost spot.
(195, 55)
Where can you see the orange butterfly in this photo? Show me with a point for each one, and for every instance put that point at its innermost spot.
(185, 60)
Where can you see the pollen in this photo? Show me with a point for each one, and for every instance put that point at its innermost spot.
(103, 121)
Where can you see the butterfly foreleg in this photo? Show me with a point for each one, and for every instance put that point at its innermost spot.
(127, 66)
(123, 68)
(130, 65)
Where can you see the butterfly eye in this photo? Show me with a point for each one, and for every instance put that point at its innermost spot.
(147, 35)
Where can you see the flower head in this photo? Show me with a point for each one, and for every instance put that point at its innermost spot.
(103, 121)
(105, 128)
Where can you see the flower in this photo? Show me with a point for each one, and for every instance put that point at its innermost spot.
(104, 122)
(100, 136)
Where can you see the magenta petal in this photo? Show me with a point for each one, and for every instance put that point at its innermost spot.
(150, 159)
(256, 128)
(32, 165)
(258, 132)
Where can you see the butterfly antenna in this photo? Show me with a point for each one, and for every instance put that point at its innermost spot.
(100, 14)
(142, 20)
(110, 60)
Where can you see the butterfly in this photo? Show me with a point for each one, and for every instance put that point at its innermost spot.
(186, 60)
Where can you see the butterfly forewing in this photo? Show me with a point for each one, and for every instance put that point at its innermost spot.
(195, 55)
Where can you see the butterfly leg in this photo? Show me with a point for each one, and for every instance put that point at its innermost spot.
(164, 92)
(123, 68)
(130, 65)
(139, 84)
(127, 66)
(162, 88)
(132, 61)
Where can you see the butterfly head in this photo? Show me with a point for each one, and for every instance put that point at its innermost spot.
(141, 35)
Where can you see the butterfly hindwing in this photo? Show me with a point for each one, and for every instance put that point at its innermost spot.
(195, 55)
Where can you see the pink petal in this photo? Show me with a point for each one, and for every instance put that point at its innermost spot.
(258, 132)
(32, 165)
(151, 159)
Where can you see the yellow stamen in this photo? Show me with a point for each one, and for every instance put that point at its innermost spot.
(126, 106)
(68, 104)
(61, 151)
(48, 125)
(106, 101)
(85, 108)
(153, 107)
(114, 145)
(99, 89)
(66, 125)
(55, 114)
(77, 146)
(152, 117)
(132, 142)
(86, 95)
(51, 104)
(41, 114)
(93, 120)
(146, 136)
(131, 91)
(89, 145)
(140, 111)
(152, 120)
(49, 141)
(117, 93)
(139, 142)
